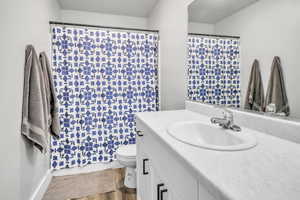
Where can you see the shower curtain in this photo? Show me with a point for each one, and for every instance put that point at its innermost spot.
(102, 77)
(214, 70)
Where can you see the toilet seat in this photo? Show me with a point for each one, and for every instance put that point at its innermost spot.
(126, 152)
(126, 155)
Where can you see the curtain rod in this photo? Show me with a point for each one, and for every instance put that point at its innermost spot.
(102, 27)
(212, 35)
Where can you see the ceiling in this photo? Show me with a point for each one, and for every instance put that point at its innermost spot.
(136, 8)
(212, 11)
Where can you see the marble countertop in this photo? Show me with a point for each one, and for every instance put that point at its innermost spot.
(269, 171)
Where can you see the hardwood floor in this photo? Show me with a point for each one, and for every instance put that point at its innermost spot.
(103, 185)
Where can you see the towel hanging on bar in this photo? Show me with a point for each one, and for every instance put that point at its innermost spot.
(34, 111)
(52, 103)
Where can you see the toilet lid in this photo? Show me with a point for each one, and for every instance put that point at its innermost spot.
(127, 150)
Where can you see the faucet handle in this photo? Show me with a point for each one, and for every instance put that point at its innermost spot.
(224, 108)
(226, 112)
(228, 115)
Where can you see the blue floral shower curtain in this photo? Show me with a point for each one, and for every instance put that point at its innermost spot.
(102, 77)
(214, 70)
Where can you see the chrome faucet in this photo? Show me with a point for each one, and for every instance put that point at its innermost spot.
(227, 121)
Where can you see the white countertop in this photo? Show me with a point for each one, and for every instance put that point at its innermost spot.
(269, 171)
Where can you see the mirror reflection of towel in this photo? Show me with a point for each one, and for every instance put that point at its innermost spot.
(276, 99)
(255, 92)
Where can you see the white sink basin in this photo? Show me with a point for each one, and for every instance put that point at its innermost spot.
(212, 137)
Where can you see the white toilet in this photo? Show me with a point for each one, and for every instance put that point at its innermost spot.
(126, 155)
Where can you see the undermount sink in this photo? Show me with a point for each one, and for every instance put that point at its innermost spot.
(212, 137)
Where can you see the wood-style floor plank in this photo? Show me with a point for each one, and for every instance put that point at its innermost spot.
(102, 185)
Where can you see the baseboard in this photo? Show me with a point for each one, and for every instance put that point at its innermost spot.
(42, 187)
(86, 169)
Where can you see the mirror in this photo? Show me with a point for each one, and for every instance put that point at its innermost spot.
(246, 54)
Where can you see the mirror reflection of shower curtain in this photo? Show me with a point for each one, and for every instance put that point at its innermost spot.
(214, 70)
(102, 77)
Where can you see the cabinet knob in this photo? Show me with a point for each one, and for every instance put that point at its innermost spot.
(139, 133)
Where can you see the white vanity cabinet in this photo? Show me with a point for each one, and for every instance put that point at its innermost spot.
(161, 175)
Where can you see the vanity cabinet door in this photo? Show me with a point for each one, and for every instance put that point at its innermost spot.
(144, 174)
(157, 185)
(161, 190)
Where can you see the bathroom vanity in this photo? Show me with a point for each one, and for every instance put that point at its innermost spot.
(169, 169)
(162, 174)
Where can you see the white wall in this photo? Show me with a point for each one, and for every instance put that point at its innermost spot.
(170, 17)
(22, 22)
(203, 28)
(93, 18)
(269, 28)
